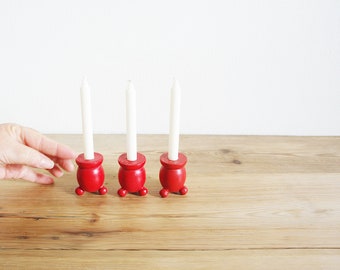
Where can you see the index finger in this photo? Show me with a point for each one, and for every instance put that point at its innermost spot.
(46, 145)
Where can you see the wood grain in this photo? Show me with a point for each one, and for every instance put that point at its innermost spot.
(257, 202)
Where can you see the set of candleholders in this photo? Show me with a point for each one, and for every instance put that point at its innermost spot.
(131, 175)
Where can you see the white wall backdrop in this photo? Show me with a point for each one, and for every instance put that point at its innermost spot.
(245, 67)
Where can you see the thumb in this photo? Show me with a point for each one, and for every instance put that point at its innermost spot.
(24, 155)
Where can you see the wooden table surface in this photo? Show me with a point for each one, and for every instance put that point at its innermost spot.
(254, 202)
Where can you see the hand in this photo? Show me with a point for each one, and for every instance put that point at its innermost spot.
(22, 149)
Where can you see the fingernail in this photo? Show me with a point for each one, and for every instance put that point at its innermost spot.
(59, 174)
(71, 167)
(46, 164)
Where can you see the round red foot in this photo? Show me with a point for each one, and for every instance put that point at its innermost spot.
(164, 193)
(102, 190)
(79, 191)
(122, 192)
(143, 191)
(183, 190)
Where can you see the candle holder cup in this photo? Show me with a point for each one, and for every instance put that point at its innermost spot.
(132, 175)
(172, 175)
(90, 175)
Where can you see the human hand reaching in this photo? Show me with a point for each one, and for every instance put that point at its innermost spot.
(22, 149)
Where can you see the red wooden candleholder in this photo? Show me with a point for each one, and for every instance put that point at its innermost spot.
(172, 175)
(90, 175)
(132, 175)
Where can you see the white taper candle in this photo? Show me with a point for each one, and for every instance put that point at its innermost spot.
(131, 133)
(174, 121)
(85, 94)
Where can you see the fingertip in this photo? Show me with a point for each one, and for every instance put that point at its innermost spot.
(67, 165)
(28, 174)
(41, 179)
(75, 155)
(57, 172)
(45, 180)
(46, 163)
(48, 182)
(70, 167)
(65, 152)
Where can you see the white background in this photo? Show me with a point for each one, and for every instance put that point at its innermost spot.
(245, 67)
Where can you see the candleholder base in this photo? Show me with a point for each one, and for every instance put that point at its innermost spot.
(132, 175)
(172, 175)
(90, 175)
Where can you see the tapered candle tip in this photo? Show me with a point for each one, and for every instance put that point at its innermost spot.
(175, 83)
(130, 85)
(84, 81)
